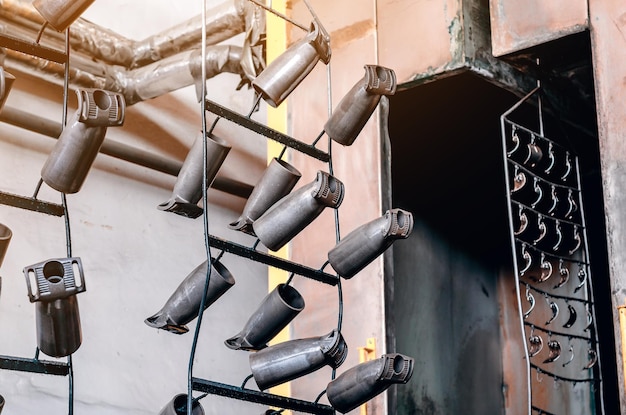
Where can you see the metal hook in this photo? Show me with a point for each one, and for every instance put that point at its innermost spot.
(551, 158)
(572, 316)
(554, 348)
(571, 356)
(593, 358)
(582, 277)
(528, 258)
(535, 344)
(563, 273)
(568, 166)
(578, 240)
(539, 372)
(572, 207)
(538, 190)
(534, 153)
(554, 307)
(515, 140)
(523, 221)
(589, 320)
(531, 301)
(559, 237)
(519, 180)
(555, 201)
(546, 268)
(543, 230)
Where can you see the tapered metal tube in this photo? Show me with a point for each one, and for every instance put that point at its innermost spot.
(188, 187)
(356, 107)
(57, 317)
(276, 310)
(286, 72)
(78, 145)
(291, 214)
(6, 82)
(61, 13)
(364, 244)
(277, 181)
(5, 239)
(178, 406)
(366, 380)
(295, 358)
(184, 304)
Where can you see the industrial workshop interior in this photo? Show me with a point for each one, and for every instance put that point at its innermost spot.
(367, 207)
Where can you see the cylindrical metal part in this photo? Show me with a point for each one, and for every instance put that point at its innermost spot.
(286, 72)
(277, 181)
(68, 164)
(289, 360)
(58, 326)
(276, 310)
(187, 190)
(364, 244)
(291, 214)
(61, 13)
(5, 239)
(356, 107)
(6, 82)
(56, 310)
(366, 380)
(184, 304)
(178, 406)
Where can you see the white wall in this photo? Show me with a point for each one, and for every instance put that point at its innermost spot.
(134, 255)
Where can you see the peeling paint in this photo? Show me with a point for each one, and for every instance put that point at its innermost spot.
(352, 32)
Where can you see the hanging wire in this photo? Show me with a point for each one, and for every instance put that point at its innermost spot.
(68, 233)
(71, 385)
(243, 384)
(41, 30)
(37, 188)
(279, 14)
(207, 245)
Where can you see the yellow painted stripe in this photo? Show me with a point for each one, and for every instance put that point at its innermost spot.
(277, 119)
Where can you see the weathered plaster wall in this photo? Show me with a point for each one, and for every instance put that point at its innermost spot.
(607, 20)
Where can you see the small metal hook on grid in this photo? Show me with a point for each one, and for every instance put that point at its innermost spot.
(523, 221)
(515, 140)
(543, 230)
(534, 153)
(578, 240)
(568, 166)
(538, 190)
(572, 207)
(573, 315)
(563, 274)
(531, 300)
(527, 258)
(535, 343)
(546, 268)
(571, 354)
(554, 308)
(539, 372)
(555, 201)
(593, 358)
(519, 179)
(551, 158)
(554, 349)
(559, 236)
(582, 277)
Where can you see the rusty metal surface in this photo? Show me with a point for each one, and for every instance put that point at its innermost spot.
(518, 25)
(608, 35)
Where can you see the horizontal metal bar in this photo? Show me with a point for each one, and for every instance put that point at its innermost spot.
(32, 48)
(273, 261)
(266, 131)
(34, 366)
(30, 203)
(269, 399)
